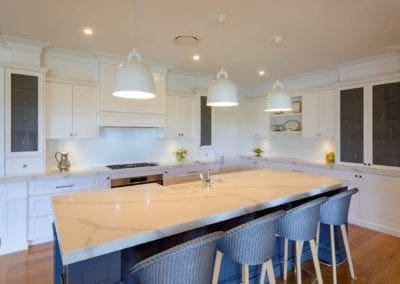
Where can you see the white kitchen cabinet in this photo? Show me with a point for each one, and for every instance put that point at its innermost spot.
(71, 111)
(40, 210)
(184, 173)
(318, 114)
(24, 133)
(179, 117)
(13, 221)
(369, 124)
(257, 118)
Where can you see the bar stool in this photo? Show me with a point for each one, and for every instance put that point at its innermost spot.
(250, 244)
(190, 262)
(300, 225)
(335, 212)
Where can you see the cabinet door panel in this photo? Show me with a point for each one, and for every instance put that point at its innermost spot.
(84, 112)
(386, 124)
(326, 114)
(352, 125)
(310, 115)
(59, 110)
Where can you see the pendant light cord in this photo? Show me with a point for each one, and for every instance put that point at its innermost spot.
(134, 21)
(223, 44)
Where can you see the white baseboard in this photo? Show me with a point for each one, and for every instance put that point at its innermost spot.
(376, 226)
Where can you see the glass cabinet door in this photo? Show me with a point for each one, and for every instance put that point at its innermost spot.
(24, 113)
(386, 124)
(352, 125)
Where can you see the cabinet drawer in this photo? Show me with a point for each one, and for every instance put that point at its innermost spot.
(24, 166)
(40, 206)
(40, 227)
(61, 185)
(13, 190)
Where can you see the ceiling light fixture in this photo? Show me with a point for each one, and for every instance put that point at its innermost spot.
(133, 79)
(87, 31)
(261, 73)
(278, 100)
(222, 91)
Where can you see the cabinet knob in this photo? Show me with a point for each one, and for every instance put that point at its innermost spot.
(70, 134)
(356, 176)
(24, 165)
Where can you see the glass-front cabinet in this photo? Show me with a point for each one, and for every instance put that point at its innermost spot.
(369, 132)
(23, 122)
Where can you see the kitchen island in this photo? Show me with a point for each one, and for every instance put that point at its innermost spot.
(100, 235)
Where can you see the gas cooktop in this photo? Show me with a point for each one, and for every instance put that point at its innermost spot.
(133, 165)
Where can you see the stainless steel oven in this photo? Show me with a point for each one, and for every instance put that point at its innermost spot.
(129, 181)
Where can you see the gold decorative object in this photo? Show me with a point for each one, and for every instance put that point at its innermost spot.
(181, 154)
(330, 158)
(258, 151)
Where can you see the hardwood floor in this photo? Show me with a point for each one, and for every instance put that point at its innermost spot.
(376, 259)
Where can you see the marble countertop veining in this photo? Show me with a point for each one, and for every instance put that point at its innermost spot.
(90, 224)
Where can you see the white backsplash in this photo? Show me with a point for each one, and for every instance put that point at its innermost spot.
(121, 145)
(293, 146)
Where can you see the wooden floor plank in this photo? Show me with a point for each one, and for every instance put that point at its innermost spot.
(376, 258)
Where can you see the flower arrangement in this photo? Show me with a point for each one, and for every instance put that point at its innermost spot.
(181, 154)
(258, 151)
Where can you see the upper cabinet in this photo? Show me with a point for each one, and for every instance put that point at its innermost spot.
(24, 141)
(121, 112)
(257, 118)
(71, 111)
(370, 124)
(318, 114)
(179, 116)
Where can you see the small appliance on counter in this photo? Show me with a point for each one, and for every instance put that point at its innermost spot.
(63, 163)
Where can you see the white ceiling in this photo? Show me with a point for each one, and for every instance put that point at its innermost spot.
(317, 33)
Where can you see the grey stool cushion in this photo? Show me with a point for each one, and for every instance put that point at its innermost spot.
(335, 210)
(190, 262)
(253, 242)
(300, 223)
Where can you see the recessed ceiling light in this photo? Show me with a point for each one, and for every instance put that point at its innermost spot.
(196, 57)
(278, 39)
(87, 31)
(261, 72)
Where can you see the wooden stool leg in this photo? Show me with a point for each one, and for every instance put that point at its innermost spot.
(347, 248)
(299, 250)
(333, 252)
(217, 267)
(271, 274)
(285, 257)
(245, 274)
(315, 260)
(263, 271)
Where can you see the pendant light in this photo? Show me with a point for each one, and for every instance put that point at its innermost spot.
(133, 79)
(222, 91)
(278, 100)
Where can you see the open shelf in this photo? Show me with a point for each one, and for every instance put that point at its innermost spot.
(286, 114)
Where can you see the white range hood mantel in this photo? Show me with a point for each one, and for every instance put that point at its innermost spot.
(121, 112)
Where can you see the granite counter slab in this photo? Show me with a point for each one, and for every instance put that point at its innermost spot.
(96, 223)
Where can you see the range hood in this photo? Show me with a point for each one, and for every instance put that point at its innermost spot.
(129, 119)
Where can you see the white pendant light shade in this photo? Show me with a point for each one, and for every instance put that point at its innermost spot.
(278, 99)
(222, 92)
(133, 79)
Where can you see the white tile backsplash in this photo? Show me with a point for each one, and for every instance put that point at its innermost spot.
(119, 145)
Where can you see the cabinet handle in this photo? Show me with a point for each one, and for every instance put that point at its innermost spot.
(192, 172)
(297, 171)
(166, 172)
(24, 165)
(64, 186)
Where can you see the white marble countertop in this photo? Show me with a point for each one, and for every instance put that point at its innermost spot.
(347, 168)
(96, 223)
(93, 171)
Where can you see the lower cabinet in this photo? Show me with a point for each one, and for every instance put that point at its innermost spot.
(13, 222)
(184, 173)
(40, 210)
